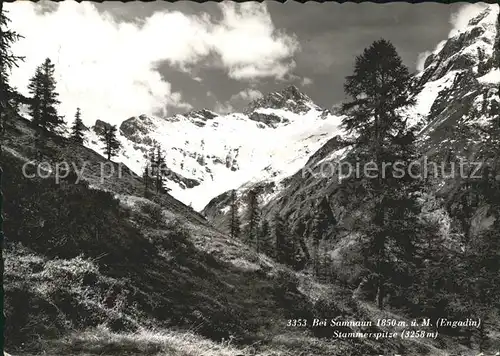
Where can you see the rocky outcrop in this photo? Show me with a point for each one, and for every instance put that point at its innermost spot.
(200, 117)
(185, 183)
(270, 120)
(290, 99)
(136, 129)
(496, 53)
(99, 126)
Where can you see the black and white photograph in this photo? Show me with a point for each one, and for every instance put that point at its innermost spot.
(249, 178)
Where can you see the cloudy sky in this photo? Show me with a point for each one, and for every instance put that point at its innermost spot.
(117, 60)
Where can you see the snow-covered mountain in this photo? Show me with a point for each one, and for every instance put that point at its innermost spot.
(458, 85)
(209, 153)
(277, 135)
(463, 68)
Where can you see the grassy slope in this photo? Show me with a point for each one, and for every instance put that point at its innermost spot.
(89, 274)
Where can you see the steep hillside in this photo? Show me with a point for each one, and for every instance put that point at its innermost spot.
(92, 267)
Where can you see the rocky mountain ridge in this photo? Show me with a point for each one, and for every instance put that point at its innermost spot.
(209, 153)
(290, 99)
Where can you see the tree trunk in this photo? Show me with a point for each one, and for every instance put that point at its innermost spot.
(303, 246)
(380, 254)
(315, 258)
(2, 315)
(483, 338)
(380, 293)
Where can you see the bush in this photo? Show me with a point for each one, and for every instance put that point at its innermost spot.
(173, 237)
(154, 211)
(287, 295)
(177, 233)
(286, 281)
(348, 268)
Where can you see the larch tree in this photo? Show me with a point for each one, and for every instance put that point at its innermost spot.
(109, 139)
(234, 219)
(284, 241)
(322, 220)
(78, 128)
(7, 61)
(147, 178)
(380, 91)
(265, 238)
(253, 217)
(481, 252)
(158, 167)
(44, 99)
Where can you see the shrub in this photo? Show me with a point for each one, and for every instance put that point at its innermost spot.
(286, 281)
(177, 233)
(154, 211)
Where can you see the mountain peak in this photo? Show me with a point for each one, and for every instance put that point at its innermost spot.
(289, 98)
(483, 17)
(473, 47)
(292, 92)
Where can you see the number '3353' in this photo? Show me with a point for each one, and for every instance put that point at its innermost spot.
(297, 322)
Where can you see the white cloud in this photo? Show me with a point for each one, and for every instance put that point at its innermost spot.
(421, 60)
(224, 108)
(248, 95)
(109, 68)
(249, 45)
(306, 81)
(238, 101)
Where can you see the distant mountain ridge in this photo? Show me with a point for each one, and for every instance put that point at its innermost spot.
(275, 135)
(209, 153)
(290, 98)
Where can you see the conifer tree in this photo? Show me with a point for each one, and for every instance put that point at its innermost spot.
(159, 168)
(280, 235)
(35, 89)
(284, 241)
(7, 62)
(480, 279)
(380, 89)
(44, 99)
(78, 128)
(483, 283)
(265, 238)
(253, 218)
(323, 218)
(110, 141)
(234, 222)
(147, 178)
